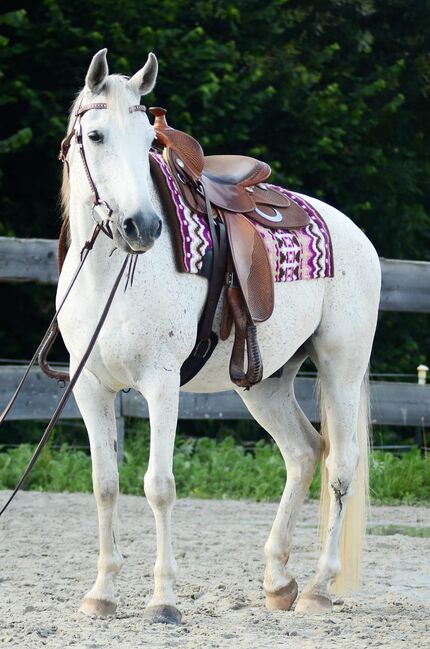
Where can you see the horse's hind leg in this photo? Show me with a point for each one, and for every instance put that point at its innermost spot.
(96, 404)
(273, 405)
(343, 400)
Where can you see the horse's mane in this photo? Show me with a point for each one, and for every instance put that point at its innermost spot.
(114, 91)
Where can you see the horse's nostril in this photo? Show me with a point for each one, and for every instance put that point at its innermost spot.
(128, 225)
(140, 228)
(159, 228)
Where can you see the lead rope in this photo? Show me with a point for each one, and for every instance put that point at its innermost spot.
(69, 388)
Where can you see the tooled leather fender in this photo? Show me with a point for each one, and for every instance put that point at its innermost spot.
(251, 262)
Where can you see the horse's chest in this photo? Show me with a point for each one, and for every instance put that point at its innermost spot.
(146, 328)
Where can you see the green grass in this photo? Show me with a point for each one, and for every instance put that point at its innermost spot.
(209, 468)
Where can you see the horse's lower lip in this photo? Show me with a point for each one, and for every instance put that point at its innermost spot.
(132, 251)
(136, 251)
(129, 246)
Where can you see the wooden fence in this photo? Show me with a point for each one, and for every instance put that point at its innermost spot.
(405, 288)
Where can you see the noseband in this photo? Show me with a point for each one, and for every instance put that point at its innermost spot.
(76, 131)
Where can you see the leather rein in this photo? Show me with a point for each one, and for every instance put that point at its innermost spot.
(53, 330)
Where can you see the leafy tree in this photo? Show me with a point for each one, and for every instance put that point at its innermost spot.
(333, 93)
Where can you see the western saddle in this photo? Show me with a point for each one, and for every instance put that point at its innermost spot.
(230, 191)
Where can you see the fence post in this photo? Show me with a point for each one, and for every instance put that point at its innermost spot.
(422, 374)
(419, 430)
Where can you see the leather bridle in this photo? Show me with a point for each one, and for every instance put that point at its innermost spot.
(76, 132)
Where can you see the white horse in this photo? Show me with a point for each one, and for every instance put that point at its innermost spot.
(151, 329)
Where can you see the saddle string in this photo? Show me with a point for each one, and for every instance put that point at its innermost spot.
(69, 388)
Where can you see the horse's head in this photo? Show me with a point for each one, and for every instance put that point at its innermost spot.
(111, 176)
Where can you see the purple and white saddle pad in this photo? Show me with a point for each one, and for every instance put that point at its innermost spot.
(302, 253)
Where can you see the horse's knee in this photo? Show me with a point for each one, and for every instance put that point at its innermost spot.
(106, 488)
(160, 490)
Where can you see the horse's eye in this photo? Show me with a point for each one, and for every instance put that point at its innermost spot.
(95, 136)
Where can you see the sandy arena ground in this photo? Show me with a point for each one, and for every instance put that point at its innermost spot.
(48, 561)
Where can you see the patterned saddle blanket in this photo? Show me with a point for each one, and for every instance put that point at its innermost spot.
(296, 254)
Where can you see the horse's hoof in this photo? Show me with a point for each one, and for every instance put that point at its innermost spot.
(282, 599)
(163, 614)
(313, 604)
(99, 607)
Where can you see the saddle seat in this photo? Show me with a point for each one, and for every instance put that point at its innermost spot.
(235, 170)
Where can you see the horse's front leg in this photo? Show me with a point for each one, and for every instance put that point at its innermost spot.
(163, 398)
(96, 404)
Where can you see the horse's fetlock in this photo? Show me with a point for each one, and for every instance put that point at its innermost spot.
(274, 552)
(111, 566)
(165, 572)
(336, 567)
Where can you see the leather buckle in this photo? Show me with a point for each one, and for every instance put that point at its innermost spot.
(105, 206)
(208, 343)
(231, 280)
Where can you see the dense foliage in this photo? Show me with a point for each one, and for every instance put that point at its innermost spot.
(207, 468)
(334, 94)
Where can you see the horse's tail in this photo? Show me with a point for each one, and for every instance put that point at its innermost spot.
(354, 526)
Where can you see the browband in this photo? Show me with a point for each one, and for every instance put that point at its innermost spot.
(102, 105)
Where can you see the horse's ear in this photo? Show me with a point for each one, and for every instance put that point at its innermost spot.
(144, 80)
(97, 72)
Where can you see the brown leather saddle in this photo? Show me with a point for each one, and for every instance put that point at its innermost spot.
(230, 191)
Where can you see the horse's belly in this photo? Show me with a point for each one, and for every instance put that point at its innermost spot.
(297, 314)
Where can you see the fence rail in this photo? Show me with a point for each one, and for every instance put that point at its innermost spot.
(405, 284)
(405, 288)
(395, 404)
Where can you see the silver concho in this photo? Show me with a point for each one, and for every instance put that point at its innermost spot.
(277, 218)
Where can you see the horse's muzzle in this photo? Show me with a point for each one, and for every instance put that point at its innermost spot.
(140, 231)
